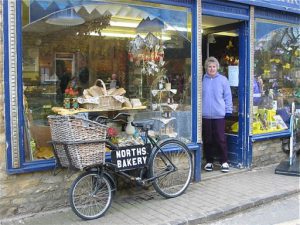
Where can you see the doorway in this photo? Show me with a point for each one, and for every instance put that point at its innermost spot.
(225, 39)
(64, 70)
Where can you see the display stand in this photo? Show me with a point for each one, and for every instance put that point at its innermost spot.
(165, 104)
(290, 167)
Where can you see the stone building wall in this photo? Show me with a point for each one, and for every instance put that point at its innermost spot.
(32, 192)
(267, 152)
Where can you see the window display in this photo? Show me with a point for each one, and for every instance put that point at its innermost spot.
(101, 58)
(277, 75)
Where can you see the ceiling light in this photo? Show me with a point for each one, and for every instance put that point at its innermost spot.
(125, 35)
(124, 24)
(65, 18)
(113, 34)
(176, 28)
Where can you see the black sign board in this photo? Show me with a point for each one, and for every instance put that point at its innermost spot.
(131, 157)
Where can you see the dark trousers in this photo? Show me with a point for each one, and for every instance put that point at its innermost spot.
(214, 139)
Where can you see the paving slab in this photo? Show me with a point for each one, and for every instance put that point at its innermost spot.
(212, 198)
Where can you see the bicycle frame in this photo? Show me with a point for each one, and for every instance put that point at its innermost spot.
(91, 192)
(112, 167)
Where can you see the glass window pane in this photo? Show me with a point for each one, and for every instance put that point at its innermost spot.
(277, 75)
(147, 46)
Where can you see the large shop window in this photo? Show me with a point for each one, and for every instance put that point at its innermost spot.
(70, 54)
(277, 75)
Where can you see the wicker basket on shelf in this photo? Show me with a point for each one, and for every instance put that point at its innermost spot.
(66, 130)
(102, 102)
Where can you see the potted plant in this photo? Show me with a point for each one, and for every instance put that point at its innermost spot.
(70, 98)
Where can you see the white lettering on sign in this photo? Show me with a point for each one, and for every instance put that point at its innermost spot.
(144, 159)
(131, 152)
(131, 156)
(139, 151)
(119, 163)
(139, 161)
(123, 163)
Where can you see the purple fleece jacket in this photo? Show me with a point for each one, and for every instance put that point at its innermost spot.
(216, 97)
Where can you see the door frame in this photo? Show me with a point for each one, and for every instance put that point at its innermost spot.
(238, 144)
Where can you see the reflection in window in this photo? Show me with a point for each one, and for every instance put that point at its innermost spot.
(147, 48)
(277, 76)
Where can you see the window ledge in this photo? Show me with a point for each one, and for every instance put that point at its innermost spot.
(46, 165)
(271, 135)
(35, 166)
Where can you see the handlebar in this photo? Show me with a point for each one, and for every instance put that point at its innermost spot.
(121, 114)
(105, 119)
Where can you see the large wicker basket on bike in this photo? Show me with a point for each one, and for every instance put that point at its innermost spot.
(67, 131)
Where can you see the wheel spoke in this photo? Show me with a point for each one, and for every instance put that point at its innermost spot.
(90, 195)
(178, 162)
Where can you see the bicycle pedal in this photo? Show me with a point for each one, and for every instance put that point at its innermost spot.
(147, 186)
(139, 181)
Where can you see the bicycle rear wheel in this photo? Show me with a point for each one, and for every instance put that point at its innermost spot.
(172, 169)
(90, 195)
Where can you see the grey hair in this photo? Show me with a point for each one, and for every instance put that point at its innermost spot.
(211, 60)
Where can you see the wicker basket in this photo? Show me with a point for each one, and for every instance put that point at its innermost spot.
(68, 129)
(105, 102)
(61, 155)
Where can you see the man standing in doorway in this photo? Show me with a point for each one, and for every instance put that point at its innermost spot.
(217, 105)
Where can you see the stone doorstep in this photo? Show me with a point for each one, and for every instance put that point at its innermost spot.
(216, 173)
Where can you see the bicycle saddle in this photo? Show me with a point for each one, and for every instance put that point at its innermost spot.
(145, 124)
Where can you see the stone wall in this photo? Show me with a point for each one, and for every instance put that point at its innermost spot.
(32, 193)
(267, 152)
(26, 193)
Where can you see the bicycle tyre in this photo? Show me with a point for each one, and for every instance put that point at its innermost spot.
(86, 204)
(175, 183)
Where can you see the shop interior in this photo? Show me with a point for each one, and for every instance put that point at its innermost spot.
(276, 76)
(58, 58)
(221, 40)
(70, 61)
(67, 53)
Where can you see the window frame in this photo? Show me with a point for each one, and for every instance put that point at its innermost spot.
(12, 39)
(278, 134)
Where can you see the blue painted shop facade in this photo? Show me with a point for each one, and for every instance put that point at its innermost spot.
(257, 43)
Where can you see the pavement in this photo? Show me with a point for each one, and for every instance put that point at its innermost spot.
(216, 196)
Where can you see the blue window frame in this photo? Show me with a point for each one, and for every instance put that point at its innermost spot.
(16, 159)
(276, 79)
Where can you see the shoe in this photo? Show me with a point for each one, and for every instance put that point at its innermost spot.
(209, 167)
(225, 167)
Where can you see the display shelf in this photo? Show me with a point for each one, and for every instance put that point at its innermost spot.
(163, 101)
(63, 111)
(171, 135)
(164, 120)
(167, 106)
(156, 91)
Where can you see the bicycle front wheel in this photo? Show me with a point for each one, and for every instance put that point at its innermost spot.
(90, 195)
(172, 168)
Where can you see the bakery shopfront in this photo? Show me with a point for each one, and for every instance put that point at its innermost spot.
(75, 52)
(57, 50)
